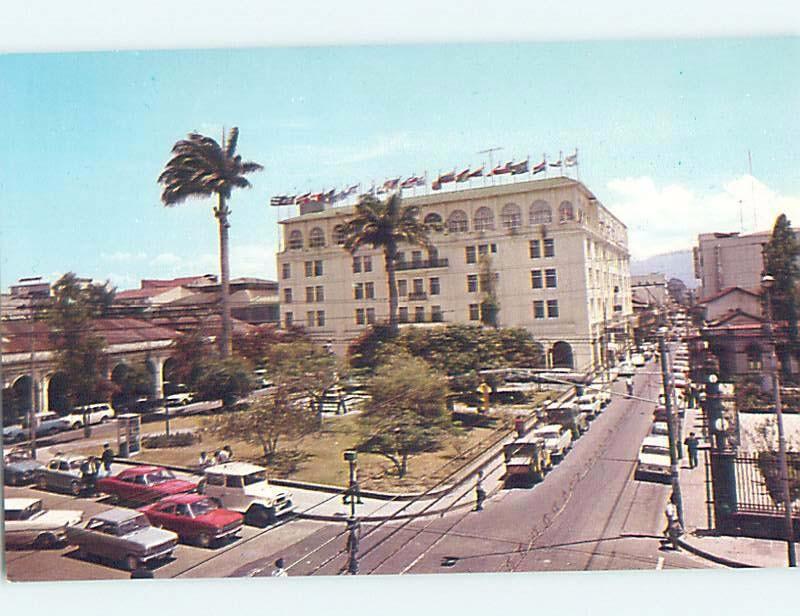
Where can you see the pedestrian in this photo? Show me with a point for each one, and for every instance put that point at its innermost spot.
(480, 493)
(203, 461)
(692, 444)
(629, 385)
(279, 570)
(221, 456)
(228, 453)
(89, 469)
(141, 572)
(107, 458)
(672, 530)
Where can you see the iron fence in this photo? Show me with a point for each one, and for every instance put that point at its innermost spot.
(758, 483)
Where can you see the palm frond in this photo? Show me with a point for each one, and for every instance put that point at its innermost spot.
(233, 139)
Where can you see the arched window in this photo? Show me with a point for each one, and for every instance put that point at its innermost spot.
(484, 219)
(566, 211)
(339, 234)
(754, 358)
(562, 355)
(296, 240)
(434, 220)
(511, 216)
(541, 214)
(316, 239)
(457, 222)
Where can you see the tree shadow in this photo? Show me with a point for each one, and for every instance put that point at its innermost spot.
(288, 461)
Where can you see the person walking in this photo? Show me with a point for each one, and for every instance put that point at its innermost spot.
(107, 458)
(279, 570)
(672, 530)
(89, 470)
(629, 385)
(692, 444)
(203, 461)
(480, 493)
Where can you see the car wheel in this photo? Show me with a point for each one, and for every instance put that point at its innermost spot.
(204, 540)
(75, 488)
(131, 562)
(45, 541)
(76, 425)
(103, 420)
(113, 499)
(41, 483)
(258, 516)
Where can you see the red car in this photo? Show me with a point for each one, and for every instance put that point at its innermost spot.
(196, 518)
(144, 484)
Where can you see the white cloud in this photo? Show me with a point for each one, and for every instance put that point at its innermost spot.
(256, 260)
(123, 257)
(665, 218)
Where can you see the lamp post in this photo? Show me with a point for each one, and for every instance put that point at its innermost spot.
(353, 525)
(767, 282)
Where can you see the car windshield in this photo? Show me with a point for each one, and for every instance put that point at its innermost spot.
(159, 476)
(132, 525)
(256, 477)
(660, 429)
(548, 434)
(655, 450)
(202, 507)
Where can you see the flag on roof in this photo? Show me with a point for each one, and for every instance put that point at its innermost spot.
(501, 169)
(558, 163)
(414, 180)
(328, 197)
(540, 167)
(302, 199)
(463, 176)
(521, 167)
(447, 177)
(477, 173)
(572, 160)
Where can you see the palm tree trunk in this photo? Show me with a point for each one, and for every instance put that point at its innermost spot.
(389, 254)
(224, 266)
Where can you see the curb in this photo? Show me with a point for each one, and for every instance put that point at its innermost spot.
(721, 560)
(382, 518)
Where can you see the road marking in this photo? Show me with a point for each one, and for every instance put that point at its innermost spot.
(660, 564)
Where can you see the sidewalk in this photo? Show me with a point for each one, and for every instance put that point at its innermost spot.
(701, 538)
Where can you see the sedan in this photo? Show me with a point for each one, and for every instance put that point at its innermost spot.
(144, 484)
(21, 471)
(27, 523)
(195, 518)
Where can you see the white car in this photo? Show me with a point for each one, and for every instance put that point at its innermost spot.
(93, 413)
(626, 369)
(638, 360)
(27, 523)
(243, 487)
(654, 460)
(557, 439)
(659, 428)
(180, 399)
(601, 389)
(589, 404)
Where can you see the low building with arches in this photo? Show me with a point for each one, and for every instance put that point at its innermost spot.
(559, 262)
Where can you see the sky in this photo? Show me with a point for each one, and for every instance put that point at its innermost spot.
(663, 130)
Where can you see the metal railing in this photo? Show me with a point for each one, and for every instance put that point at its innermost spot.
(402, 266)
(758, 486)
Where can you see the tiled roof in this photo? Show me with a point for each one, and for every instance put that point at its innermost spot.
(727, 291)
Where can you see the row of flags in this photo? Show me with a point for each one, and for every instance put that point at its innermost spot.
(508, 168)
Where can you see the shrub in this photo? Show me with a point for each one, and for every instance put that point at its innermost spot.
(176, 439)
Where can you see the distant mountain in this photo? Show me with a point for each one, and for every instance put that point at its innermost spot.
(676, 264)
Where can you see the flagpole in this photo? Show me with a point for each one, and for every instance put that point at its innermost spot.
(544, 159)
(577, 166)
(561, 160)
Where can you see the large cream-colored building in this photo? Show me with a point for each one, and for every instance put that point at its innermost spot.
(558, 257)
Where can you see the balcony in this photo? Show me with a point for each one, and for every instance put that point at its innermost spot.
(418, 296)
(402, 266)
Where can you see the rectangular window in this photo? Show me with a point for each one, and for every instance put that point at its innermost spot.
(359, 316)
(287, 296)
(550, 278)
(433, 283)
(538, 309)
(321, 318)
(472, 283)
(436, 314)
(288, 319)
(483, 250)
(419, 314)
(552, 308)
(474, 312)
(402, 314)
(549, 248)
(367, 264)
(400, 257)
(309, 294)
(310, 318)
(317, 268)
(358, 290)
(286, 271)
(470, 254)
(319, 294)
(416, 257)
(369, 290)
(402, 287)
(535, 249)
(371, 316)
(536, 279)
(309, 268)
(419, 286)
(356, 265)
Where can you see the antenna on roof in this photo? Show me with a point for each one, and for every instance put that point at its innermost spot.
(752, 191)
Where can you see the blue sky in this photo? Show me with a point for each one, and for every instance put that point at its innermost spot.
(663, 129)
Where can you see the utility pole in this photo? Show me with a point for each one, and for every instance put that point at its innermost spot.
(673, 452)
(767, 283)
(353, 525)
(32, 410)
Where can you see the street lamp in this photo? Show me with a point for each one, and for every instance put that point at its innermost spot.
(767, 283)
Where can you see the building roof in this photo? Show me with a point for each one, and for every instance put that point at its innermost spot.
(235, 468)
(727, 291)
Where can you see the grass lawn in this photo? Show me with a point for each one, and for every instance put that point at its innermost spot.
(318, 457)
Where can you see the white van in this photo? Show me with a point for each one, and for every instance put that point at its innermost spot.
(95, 413)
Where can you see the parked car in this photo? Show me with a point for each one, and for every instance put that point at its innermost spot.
(62, 473)
(626, 369)
(244, 488)
(601, 390)
(28, 523)
(589, 404)
(526, 460)
(557, 439)
(144, 484)
(124, 536)
(19, 468)
(659, 428)
(654, 460)
(638, 360)
(660, 414)
(15, 433)
(195, 518)
(47, 424)
(95, 414)
(180, 399)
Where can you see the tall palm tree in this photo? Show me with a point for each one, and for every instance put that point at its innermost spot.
(385, 225)
(201, 167)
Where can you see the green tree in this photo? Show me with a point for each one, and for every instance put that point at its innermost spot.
(135, 381)
(190, 351)
(201, 167)
(385, 225)
(406, 413)
(224, 379)
(780, 262)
